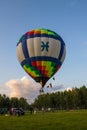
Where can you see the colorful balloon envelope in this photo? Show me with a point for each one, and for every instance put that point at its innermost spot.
(41, 53)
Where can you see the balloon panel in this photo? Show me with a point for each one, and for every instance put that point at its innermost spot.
(41, 68)
(41, 52)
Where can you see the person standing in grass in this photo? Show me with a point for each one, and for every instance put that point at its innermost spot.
(43, 110)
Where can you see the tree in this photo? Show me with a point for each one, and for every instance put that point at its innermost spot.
(72, 99)
(14, 102)
(82, 93)
(23, 103)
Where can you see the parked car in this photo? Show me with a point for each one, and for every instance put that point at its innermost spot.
(17, 111)
(3, 110)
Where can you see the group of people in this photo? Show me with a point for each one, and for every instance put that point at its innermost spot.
(33, 110)
(19, 111)
(16, 111)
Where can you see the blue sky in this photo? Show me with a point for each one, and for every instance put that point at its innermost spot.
(66, 17)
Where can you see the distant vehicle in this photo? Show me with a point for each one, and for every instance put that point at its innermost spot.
(17, 111)
(3, 110)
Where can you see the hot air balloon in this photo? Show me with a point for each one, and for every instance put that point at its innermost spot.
(41, 53)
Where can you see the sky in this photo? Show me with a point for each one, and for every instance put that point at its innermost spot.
(68, 18)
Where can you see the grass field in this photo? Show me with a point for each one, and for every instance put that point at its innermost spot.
(58, 120)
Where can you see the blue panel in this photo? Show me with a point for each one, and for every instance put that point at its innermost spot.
(45, 35)
(44, 58)
(61, 51)
(41, 58)
(24, 47)
(26, 61)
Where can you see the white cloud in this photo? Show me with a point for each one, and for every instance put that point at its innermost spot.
(69, 89)
(23, 87)
(26, 88)
(54, 88)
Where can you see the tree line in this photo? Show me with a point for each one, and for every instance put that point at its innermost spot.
(63, 100)
(6, 102)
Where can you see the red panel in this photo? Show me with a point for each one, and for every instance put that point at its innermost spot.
(57, 68)
(30, 33)
(33, 63)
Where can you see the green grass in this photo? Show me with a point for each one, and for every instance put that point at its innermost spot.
(58, 120)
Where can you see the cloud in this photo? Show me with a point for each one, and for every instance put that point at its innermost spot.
(23, 87)
(59, 87)
(54, 88)
(69, 89)
(26, 88)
